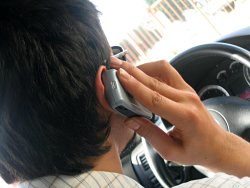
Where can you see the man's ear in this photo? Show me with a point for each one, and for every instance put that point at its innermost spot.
(100, 89)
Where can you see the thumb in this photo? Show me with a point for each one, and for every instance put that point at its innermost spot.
(159, 139)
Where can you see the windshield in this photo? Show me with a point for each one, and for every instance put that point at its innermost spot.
(159, 29)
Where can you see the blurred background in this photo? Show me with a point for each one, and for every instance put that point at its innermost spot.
(159, 29)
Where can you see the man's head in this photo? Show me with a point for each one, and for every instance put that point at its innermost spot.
(50, 52)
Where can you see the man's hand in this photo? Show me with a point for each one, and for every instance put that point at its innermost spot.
(196, 137)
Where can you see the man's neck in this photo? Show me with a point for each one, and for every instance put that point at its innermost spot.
(110, 161)
(119, 137)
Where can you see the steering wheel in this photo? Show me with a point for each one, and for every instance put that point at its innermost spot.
(232, 113)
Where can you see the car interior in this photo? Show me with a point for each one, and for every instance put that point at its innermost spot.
(218, 70)
(216, 65)
(219, 73)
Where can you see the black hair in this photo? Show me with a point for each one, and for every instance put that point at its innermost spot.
(50, 51)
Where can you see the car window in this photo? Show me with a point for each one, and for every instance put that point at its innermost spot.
(160, 29)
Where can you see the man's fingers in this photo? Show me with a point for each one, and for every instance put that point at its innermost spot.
(161, 70)
(153, 83)
(154, 101)
(166, 72)
(159, 66)
(160, 140)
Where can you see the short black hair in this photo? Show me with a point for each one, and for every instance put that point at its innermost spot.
(50, 51)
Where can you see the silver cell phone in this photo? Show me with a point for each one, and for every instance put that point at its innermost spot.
(119, 100)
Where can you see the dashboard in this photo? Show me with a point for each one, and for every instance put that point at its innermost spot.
(228, 78)
(215, 76)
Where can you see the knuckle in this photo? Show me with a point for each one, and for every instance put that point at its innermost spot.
(164, 74)
(124, 64)
(160, 79)
(131, 69)
(189, 88)
(192, 96)
(192, 114)
(164, 64)
(156, 99)
(154, 84)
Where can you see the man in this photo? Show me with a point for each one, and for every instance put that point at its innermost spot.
(56, 127)
(52, 122)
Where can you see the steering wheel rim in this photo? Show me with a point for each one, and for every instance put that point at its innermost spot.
(214, 105)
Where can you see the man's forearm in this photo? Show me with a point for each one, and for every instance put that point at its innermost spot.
(233, 157)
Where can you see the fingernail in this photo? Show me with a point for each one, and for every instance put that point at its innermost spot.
(115, 63)
(124, 74)
(133, 124)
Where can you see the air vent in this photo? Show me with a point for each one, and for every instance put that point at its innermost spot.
(155, 182)
(144, 162)
(146, 176)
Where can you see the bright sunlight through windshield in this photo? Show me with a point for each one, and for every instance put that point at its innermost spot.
(152, 30)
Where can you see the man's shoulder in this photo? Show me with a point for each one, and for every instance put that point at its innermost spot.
(218, 180)
(93, 179)
(100, 179)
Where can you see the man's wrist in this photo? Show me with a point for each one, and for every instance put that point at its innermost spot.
(231, 156)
